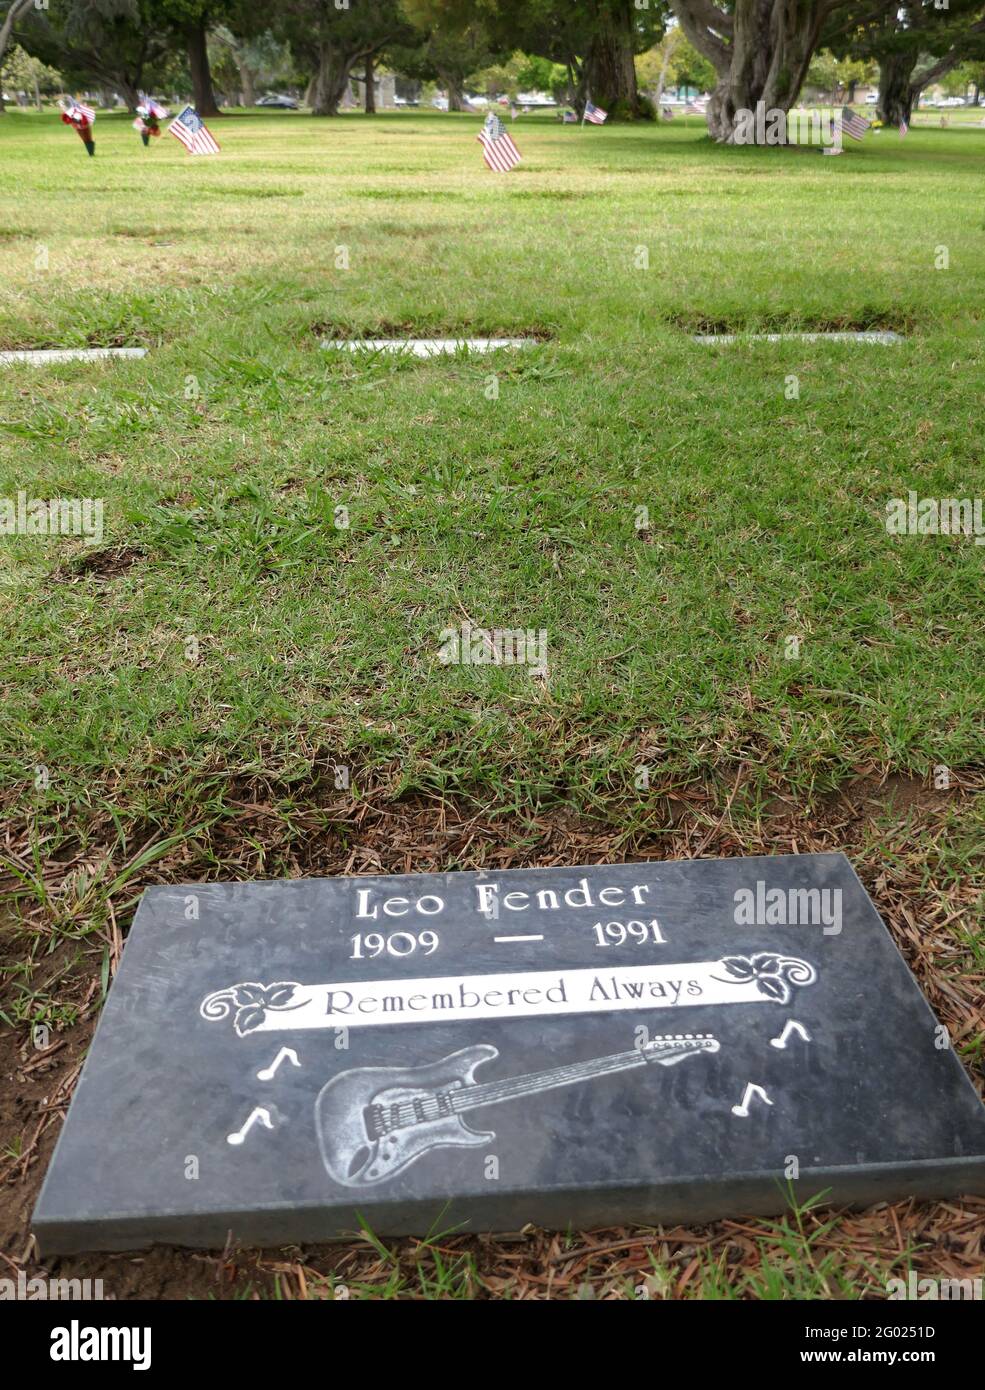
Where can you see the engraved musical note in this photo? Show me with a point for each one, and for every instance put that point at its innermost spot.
(268, 1073)
(258, 1114)
(791, 1026)
(750, 1091)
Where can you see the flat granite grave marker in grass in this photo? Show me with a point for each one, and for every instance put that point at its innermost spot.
(40, 357)
(426, 347)
(882, 338)
(626, 1043)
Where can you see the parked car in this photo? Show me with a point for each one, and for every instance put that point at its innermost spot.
(439, 103)
(273, 99)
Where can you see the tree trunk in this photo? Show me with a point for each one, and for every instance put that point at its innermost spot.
(896, 89)
(670, 43)
(17, 9)
(766, 61)
(610, 73)
(201, 73)
(129, 93)
(246, 77)
(330, 83)
(369, 80)
(455, 88)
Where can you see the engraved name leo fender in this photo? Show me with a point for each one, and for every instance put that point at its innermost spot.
(286, 1005)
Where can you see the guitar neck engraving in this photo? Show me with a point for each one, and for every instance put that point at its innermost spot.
(373, 1122)
(492, 1092)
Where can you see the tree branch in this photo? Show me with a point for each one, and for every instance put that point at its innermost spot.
(694, 17)
(950, 60)
(17, 8)
(706, 12)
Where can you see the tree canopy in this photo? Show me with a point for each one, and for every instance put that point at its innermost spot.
(743, 52)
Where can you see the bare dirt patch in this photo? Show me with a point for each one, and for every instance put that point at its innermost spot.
(107, 563)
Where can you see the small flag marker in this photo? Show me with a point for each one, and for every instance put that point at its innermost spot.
(498, 149)
(194, 134)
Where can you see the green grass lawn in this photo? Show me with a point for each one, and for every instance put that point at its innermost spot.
(223, 457)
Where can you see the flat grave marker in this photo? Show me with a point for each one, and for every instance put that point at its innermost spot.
(882, 338)
(426, 347)
(627, 1043)
(41, 357)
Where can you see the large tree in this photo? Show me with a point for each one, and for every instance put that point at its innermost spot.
(444, 47)
(115, 44)
(616, 32)
(595, 40)
(915, 45)
(760, 49)
(331, 40)
(191, 21)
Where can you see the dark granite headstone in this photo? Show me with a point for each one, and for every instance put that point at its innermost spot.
(569, 1047)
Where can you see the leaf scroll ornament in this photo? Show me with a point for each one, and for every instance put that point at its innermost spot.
(249, 1002)
(772, 973)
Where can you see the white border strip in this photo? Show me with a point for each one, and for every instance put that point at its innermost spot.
(41, 356)
(884, 338)
(425, 347)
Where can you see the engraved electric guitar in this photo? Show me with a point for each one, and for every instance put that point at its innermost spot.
(373, 1122)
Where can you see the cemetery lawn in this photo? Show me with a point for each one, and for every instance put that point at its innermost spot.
(241, 678)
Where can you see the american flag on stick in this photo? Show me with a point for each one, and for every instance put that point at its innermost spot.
(498, 149)
(193, 133)
(903, 128)
(852, 124)
(77, 110)
(594, 114)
